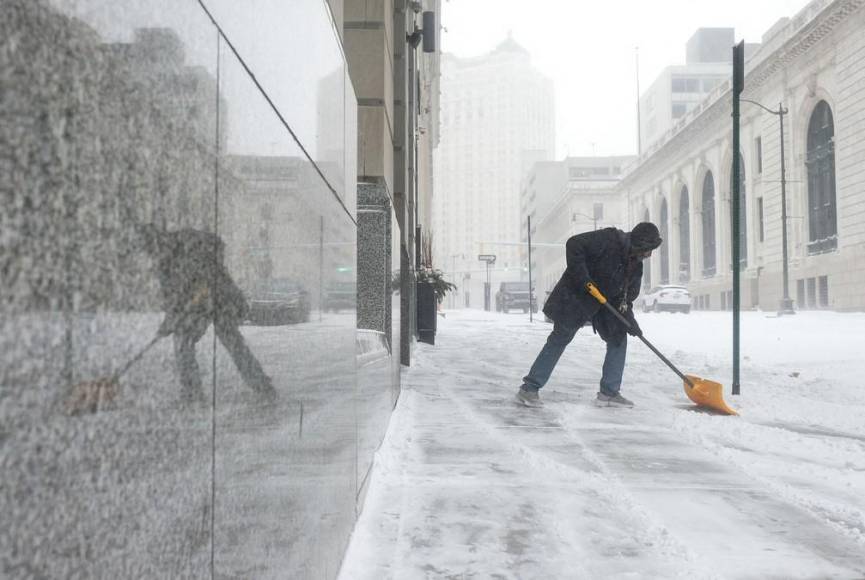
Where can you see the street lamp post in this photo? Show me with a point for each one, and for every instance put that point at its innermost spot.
(453, 279)
(490, 259)
(786, 306)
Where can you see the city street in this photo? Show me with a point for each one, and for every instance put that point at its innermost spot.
(469, 485)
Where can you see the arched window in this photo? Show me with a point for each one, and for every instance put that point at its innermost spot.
(708, 215)
(665, 256)
(647, 264)
(743, 222)
(820, 162)
(684, 237)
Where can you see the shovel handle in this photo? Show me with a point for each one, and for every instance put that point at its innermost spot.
(593, 290)
(136, 358)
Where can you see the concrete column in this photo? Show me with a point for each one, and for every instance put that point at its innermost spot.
(402, 149)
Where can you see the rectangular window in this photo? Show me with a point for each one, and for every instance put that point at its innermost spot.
(723, 301)
(598, 211)
(823, 291)
(577, 172)
(679, 109)
(709, 84)
(685, 85)
(800, 293)
(760, 217)
(758, 149)
(811, 285)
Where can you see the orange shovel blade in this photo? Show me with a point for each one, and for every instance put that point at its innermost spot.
(706, 393)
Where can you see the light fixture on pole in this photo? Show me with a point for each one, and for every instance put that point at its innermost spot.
(786, 306)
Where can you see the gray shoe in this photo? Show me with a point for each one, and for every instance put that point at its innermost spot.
(528, 398)
(616, 400)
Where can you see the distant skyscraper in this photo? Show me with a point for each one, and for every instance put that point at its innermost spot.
(497, 121)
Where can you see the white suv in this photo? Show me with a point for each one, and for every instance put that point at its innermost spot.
(670, 298)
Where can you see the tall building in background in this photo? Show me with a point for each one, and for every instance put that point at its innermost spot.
(564, 198)
(811, 63)
(497, 120)
(680, 88)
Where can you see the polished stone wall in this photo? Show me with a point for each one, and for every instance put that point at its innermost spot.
(178, 190)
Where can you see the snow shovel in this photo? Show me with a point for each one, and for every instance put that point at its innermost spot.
(91, 396)
(703, 392)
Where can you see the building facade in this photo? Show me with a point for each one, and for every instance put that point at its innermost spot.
(679, 88)
(237, 137)
(584, 196)
(812, 65)
(497, 116)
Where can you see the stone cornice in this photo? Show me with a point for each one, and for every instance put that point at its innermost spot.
(797, 45)
(802, 40)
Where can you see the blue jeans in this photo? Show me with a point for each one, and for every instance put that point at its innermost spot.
(560, 337)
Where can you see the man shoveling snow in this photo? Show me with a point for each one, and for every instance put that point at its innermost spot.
(611, 260)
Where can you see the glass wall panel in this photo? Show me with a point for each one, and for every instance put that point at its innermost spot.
(286, 467)
(108, 152)
(294, 52)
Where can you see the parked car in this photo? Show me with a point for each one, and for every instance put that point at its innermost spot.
(278, 301)
(668, 298)
(515, 295)
(339, 296)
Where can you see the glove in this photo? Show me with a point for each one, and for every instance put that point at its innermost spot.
(634, 329)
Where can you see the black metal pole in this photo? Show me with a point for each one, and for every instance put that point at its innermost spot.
(453, 279)
(531, 302)
(738, 86)
(320, 266)
(487, 292)
(786, 303)
(637, 75)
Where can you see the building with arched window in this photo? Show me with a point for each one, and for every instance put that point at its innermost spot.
(663, 250)
(820, 164)
(707, 231)
(814, 65)
(684, 260)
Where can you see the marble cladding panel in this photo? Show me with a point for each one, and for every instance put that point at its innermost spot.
(373, 256)
(286, 435)
(311, 93)
(374, 355)
(149, 191)
(107, 123)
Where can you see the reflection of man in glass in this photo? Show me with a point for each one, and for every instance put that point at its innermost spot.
(197, 290)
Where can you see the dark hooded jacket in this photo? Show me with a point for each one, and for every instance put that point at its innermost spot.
(194, 280)
(602, 257)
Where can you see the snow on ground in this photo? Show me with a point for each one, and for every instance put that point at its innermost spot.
(469, 485)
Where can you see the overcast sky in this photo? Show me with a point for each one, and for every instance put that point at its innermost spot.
(588, 48)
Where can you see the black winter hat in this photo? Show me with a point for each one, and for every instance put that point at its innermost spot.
(645, 237)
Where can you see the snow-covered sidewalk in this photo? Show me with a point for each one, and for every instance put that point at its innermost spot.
(469, 485)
